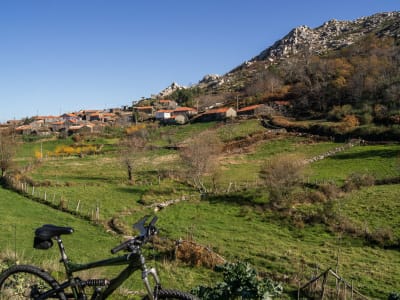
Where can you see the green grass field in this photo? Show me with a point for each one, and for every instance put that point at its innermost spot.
(235, 225)
(381, 161)
(89, 242)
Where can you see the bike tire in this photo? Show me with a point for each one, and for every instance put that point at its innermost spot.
(172, 294)
(21, 281)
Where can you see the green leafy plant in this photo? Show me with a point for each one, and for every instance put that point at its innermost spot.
(394, 296)
(240, 282)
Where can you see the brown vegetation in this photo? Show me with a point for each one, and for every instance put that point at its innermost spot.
(8, 147)
(200, 156)
(281, 175)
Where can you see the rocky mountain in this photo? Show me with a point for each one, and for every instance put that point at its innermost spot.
(169, 90)
(332, 35)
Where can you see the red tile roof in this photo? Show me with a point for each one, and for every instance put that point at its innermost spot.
(23, 127)
(217, 110)
(247, 108)
(45, 117)
(143, 107)
(185, 109)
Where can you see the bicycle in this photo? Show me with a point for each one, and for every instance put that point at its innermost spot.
(31, 282)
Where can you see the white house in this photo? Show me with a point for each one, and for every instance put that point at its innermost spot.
(163, 114)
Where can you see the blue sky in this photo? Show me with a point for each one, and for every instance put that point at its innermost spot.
(58, 56)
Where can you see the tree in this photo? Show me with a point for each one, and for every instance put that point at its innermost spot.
(281, 174)
(8, 146)
(185, 96)
(200, 156)
(266, 83)
(130, 147)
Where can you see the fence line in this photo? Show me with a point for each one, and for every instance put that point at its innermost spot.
(322, 290)
(59, 202)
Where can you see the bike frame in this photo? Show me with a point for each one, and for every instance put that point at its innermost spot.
(134, 261)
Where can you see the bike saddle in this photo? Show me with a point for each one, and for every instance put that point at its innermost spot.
(49, 231)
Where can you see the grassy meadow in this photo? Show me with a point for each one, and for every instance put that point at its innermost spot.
(236, 225)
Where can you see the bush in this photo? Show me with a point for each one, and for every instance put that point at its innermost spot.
(339, 112)
(356, 180)
(317, 197)
(394, 296)
(330, 190)
(240, 282)
(281, 174)
(381, 237)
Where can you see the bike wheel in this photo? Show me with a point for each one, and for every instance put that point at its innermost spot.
(26, 282)
(172, 294)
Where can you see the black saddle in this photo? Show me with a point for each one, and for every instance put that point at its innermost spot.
(49, 231)
(44, 234)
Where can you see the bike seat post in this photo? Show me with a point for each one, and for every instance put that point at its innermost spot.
(64, 258)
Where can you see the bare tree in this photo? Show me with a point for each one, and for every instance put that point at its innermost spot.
(208, 100)
(8, 146)
(200, 156)
(281, 175)
(130, 147)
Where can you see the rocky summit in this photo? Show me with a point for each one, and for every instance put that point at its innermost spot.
(332, 35)
(303, 40)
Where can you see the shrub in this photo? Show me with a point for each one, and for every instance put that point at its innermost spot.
(240, 282)
(366, 118)
(281, 175)
(317, 197)
(394, 296)
(381, 237)
(330, 190)
(357, 180)
(349, 122)
(339, 112)
(76, 138)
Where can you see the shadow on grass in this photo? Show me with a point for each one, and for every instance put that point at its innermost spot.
(384, 153)
(131, 190)
(248, 198)
(87, 178)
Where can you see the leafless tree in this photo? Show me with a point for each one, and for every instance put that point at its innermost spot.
(8, 146)
(281, 175)
(130, 147)
(208, 100)
(200, 156)
(265, 84)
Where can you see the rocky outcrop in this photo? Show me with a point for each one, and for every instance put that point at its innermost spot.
(302, 40)
(331, 35)
(170, 89)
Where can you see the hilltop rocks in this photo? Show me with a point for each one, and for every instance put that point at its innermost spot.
(170, 89)
(211, 80)
(331, 35)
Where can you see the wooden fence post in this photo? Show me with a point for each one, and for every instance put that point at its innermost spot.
(323, 285)
(352, 290)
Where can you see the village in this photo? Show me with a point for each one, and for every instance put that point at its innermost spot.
(164, 111)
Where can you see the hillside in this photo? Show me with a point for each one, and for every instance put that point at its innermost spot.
(304, 41)
(337, 69)
(335, 207)
(293, 202)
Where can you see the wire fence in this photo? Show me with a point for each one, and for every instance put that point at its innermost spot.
(76, 207)
(14, 240)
